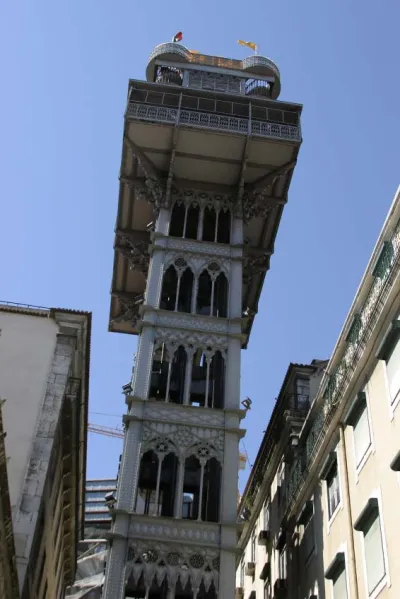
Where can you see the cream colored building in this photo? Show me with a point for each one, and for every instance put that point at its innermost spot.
(320, 513)
(44, 374)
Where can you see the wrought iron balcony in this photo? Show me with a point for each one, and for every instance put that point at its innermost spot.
(386, 271)
(209, 120)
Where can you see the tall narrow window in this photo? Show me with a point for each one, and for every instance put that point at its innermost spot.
(159, 374)
(185, 291)
(393, 371)
(169, 289)
(266, 514)
(358, 419)
(217, 381)
(191, 488)
(208, 380)
(336, 572)
(203, 304)
(333, 489)
(177, 224)
(192, 221)
(209, 224)
(168, 483)
(211, 491)
(282, 564)
(224, 226)
(147, 483)
(177, 382)
(220, 296)
(369, 523)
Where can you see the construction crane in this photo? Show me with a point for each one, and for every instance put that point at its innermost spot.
(105, 430)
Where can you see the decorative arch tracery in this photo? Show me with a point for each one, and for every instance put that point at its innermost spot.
(201, 215)
(150, 566)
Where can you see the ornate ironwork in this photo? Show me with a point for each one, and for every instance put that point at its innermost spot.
(219, 122)
(385, 272)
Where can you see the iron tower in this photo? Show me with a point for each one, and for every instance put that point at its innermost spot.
(208, 155)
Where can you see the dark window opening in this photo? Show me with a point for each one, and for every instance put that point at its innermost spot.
(149, 500)
(176, 226)
(159, 374)
(211, 491)
(185, 291)
(177, 382)
(220, 300)
(208, 381)
(169, 287)
(209, 224)
(191, 487)
(145, 499)
(210, 594)
(203, 303)
(168, 482)
(224, 226)
(217, 381)
(192, 221)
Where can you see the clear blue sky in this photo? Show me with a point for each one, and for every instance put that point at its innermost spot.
(65, 68)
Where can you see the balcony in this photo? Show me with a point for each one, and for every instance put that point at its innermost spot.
(209, 120)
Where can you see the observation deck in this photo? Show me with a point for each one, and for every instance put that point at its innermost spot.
(207, 124)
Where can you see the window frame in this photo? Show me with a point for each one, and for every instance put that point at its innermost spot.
(282, 563)
(331, 461)
(338, 565)
(332, 512)
(390, 340)
(374, 504)
(360, 406)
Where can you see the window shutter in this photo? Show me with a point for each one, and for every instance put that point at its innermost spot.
(362, 437)
(374, 551)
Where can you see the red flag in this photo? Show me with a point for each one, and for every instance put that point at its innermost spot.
(178, 37)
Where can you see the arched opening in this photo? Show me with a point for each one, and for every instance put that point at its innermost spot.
(210, 594)
(209, 224)
(176, 387)
(146, 492)
(177, 222)
(220, 298)
(185, 291)
(204, 289)
(217, 381)
(168, 482)
(211, 491)
(224, 226)
(159, 374)
(191, 488)
(169, 288)
(208, 380)
(192, 221)
(199, 379)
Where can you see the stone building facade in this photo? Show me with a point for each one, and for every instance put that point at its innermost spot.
(44, 377)
(321, 520)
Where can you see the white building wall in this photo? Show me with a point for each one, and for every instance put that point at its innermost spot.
(26, 351)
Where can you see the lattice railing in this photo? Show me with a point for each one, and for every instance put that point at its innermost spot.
(212, 121)
(385, 273)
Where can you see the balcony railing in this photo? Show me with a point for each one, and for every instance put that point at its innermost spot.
(385, 273)
(161, 114)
